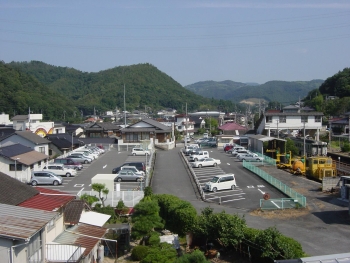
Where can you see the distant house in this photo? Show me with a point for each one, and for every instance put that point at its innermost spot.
(33, 122)
(340, 125)
(146, 129)
(292, 117)
(101, 130)
(62, 143)
(29, 139)
(184, 124)
(18, 161)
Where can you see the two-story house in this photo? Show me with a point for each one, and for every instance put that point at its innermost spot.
(184, 124)
(291, 118)
(18, 161)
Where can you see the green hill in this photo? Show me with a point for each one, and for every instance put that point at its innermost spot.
(145, 86)
(284, 92)
(20, 91)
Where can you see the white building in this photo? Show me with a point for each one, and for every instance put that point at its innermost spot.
(291, 118)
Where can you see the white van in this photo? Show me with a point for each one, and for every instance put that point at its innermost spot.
(220, 182)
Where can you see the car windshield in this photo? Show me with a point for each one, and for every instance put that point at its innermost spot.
(214, 180)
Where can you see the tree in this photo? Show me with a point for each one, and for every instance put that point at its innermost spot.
(164, 253)
(102, 190)
(90, 199)
(196, 256)
(145, 218)
(290, 147)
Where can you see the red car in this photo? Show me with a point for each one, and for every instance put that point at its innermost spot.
(228, 147)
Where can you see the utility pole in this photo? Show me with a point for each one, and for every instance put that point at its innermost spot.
(124, 109)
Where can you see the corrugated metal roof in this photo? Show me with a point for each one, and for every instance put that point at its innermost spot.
(84, 235)
(73, 211)
(21, 222)
(13, 191)
(48, 200)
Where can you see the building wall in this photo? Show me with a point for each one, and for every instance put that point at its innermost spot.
(5, 249)
(22, 175)
(52, 233)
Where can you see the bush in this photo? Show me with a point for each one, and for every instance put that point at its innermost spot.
(154, 239)
(346, 147)
(139, 252)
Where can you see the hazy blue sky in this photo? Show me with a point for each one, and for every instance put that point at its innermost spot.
(189, 40)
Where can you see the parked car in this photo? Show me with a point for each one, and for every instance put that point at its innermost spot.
(69, 163)
(45, 177)
(128, 176)
(234, 153)
(79, 157)
(221, 182)
(250, 157)
(205, 162)
(198, 155)
(129, 168)
(228, 147)
(140, 151)
(139, 165)
(87, 153)
(59, 169)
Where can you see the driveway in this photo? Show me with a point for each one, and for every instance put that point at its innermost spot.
(323, 228)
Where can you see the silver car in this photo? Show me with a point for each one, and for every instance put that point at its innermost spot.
(45, 177)
(126, 175)
(79, 157)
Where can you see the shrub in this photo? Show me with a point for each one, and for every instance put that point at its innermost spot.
(139, 252)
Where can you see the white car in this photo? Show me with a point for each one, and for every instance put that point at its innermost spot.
(250, 157)
(60, 169)
(140, 151)
(206, 162)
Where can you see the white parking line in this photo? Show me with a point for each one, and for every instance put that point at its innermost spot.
(104, 166)
(78, 185)
(232, 200)
(261, 191)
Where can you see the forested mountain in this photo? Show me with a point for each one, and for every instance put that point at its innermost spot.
(19, 92)
(215, 89)
(284, 92)
(145, 87)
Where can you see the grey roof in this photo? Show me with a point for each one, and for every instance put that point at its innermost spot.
(73, 211)
(20, 118)
(152, 122)
(14, 192)
(103, 125)
(61, 143)
(30, 136)
(14, 150)
(21, 222)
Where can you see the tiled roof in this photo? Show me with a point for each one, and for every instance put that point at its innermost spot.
(30, 136)
(34, 138)
(84, 235)
(231, 126)
(14, 192)
(73, 210)
(14, 150)
(61, 143)
(30, 158)
(48, 200)
(152, 122)
(21, 222)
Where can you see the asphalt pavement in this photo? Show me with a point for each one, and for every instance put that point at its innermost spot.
(323, 230)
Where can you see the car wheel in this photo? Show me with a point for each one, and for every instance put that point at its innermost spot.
(68, 174)
(233, 187)
(85, 161)
(199, 166)
(55, 182)
(195, 159)
(134, 154)
(215, 189)
(76, 168)
(214, 164)
(34, 183)
(119, 179)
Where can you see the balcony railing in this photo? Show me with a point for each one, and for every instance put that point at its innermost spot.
(63, 253)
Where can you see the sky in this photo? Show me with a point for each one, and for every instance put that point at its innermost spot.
(189, 40)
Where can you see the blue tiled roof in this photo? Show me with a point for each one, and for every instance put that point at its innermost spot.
(14, 149)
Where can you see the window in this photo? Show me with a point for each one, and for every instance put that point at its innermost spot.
(317, 118)
(12, 167)
(282, 119)
(304, 118)
(42, 149)
(269, 119)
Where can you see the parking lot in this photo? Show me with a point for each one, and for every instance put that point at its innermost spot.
(102, 165)
(250, 188)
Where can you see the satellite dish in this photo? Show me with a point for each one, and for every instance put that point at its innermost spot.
(266, 196)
